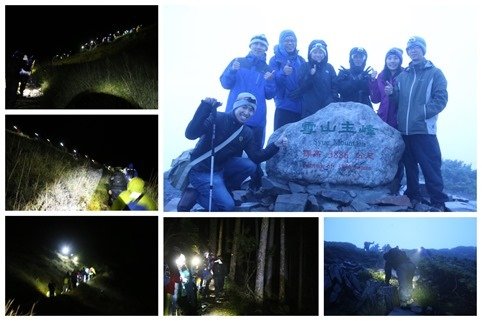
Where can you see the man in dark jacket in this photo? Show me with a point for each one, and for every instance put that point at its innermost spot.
(117, 184)
(353, 83)
(230, 169)
(398, 260)
(421, 94)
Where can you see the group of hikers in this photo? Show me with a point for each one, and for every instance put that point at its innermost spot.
(410, 100)
(127, 191)
(72, 280)
(184, 283)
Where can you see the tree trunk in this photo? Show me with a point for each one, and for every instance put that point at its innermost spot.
(300, 274)
(220, 238)
(234, 250)
(282, 263)
(213, 233)
(259, 286)
(269, 262)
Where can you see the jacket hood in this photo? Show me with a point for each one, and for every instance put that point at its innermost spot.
(136, 185)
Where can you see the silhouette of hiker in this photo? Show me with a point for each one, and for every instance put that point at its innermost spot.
(13, 67)
(25, 72)
(219, 273)
(51, 289)
(399, 261)
(73, 279)
(367, 245)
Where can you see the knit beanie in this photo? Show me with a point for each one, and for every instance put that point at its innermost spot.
(286, 33)
(318, 45)
(259, 38)
(396, 52)
(417, 41)
(245, 99)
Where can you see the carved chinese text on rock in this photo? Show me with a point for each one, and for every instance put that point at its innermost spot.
(344, 143)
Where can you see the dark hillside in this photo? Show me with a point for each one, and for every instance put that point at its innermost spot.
(34, 259)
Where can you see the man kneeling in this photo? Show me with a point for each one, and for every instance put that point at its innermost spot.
(230, 168)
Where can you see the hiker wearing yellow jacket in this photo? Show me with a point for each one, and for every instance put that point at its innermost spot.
(134, 198)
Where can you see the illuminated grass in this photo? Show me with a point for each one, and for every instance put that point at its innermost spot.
(71, 192)
(40, 176)
(99, 200)
(11, 310)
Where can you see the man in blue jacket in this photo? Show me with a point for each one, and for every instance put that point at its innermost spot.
(251, 74)
(286, 62)
(422, 95)
(230, 169)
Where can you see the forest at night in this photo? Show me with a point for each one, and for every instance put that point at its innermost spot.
(241, 266)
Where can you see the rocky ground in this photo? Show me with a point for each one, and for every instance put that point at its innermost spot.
(278, 196)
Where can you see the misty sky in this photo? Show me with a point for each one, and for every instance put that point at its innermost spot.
(407, 233)
(200, 40)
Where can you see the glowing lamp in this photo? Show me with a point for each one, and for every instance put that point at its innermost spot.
(181, 260)
(65, 250)
(196, 260)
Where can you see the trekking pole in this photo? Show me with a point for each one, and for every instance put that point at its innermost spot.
(215, 105)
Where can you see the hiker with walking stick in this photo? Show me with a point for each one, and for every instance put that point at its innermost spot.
(224, 169)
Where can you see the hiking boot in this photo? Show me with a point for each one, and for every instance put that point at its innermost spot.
(236, 201)
(438, 207)
(188, 200)
(394, 188)
(420, 207)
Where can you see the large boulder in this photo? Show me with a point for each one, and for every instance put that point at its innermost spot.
(343, 143)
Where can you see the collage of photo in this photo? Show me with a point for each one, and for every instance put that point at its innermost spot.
(273, 136)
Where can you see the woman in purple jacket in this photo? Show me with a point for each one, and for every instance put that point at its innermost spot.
(380, 90)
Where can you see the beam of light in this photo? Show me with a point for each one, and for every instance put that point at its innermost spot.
(61, 144)
(36, 134)
(32, 92)
(15, 127)
(75, 151)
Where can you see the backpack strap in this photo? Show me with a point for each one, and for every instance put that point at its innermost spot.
(206, 154)
(217, 148)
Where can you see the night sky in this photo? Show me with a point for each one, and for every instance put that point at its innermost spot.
(45, 31)
(114, 140)
(115, 240)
